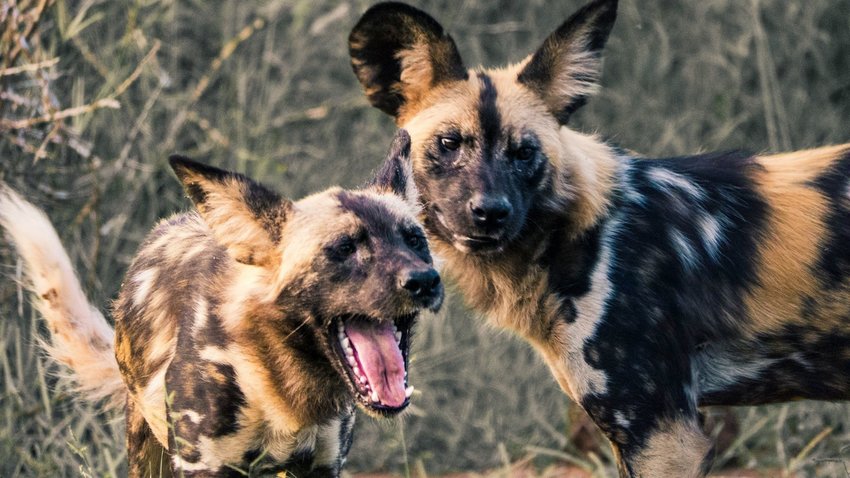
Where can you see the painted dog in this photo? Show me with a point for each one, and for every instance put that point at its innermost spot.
(246, 330)
(649, 287)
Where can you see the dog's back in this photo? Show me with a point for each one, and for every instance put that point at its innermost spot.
(175, 272)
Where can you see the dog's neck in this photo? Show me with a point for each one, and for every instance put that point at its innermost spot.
(284, 371)
(521, 288)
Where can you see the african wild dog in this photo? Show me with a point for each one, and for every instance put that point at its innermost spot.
(650, 287)
(262, 320)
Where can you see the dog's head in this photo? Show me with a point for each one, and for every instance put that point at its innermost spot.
(487, 144)
(348, 270)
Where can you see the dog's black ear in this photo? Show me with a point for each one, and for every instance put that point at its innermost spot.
(244, 216)
(396, 174)
(399, 53)
(565, 70)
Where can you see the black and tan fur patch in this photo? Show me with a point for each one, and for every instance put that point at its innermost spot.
(651, 287)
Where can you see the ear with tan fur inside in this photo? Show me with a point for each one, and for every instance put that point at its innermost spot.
(565, 70)
(399, 53)
(244, 216)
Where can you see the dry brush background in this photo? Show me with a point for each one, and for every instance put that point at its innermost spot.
(95, 94)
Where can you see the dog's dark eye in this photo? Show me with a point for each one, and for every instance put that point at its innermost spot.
(415, 240)
(345, 247)
(450, 143)
(525, 153)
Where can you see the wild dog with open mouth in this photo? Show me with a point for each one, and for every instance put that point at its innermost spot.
(650, 287)
(245, 332)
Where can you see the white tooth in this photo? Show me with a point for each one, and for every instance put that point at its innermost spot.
(375, 397)
(408, 391)
(362, 378)
(398, 336)
(349, 350)
(346, 343)
(351, 360)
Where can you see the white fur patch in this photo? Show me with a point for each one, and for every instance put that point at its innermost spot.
(684, 249)
(717, 370)
(711, 232)
(164, 340)
(180, 464)
(664, 179)
(151, 404)
(201, 313)
(144, 281)
(590, 308)
(621, 419)
(192, 415)
(214, 354)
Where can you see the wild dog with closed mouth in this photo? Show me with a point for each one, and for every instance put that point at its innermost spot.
(246, 331)
(650, 287)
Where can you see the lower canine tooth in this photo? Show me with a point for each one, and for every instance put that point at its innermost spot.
(375, 397)
(398, 336)
(408, 392)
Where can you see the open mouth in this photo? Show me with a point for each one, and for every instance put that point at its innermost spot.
(374, 354)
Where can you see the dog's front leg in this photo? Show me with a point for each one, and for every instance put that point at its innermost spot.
(332, 445)
(672, 447)
(654, 434)
(639, 390)
(205, 436)
(145, 456)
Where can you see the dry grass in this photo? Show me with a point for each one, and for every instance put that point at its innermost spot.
(95, 94)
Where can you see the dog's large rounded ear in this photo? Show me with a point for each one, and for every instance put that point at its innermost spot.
(244, 216)
(399, 53)
(565, 70)
(396, 174)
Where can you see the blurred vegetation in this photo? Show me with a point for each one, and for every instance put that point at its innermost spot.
(95, 94)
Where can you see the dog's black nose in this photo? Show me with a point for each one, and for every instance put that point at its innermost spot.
(489, 212)
(422, 284)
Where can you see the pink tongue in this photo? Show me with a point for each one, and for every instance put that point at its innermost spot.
(380, 359)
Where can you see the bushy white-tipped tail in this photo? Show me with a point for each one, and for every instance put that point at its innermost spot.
(80, 337)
